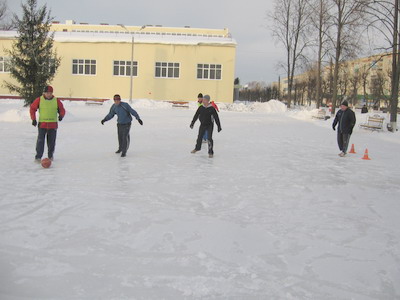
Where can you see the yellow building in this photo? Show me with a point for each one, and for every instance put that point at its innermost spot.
(173, 64)
(362, 72)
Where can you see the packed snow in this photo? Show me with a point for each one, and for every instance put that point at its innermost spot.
(276, 214)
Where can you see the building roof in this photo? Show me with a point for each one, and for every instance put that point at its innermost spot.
(71, 31)
(121, 37)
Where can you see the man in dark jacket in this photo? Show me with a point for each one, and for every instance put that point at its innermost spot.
(206, 114)
(364, 109)
(123, 111)
(346, 119)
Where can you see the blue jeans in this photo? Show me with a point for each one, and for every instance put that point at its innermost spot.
(205, 136)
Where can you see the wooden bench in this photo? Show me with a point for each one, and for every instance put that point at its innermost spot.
(183, 104)
(88, 101)
(321, 114)
(94, 102)
(374, 122)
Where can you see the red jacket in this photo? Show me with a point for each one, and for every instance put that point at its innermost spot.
(48, 125)
(214, 105)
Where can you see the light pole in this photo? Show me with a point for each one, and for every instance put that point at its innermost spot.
(132, 47)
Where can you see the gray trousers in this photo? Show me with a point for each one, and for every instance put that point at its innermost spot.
(343, 141)
(123, 137)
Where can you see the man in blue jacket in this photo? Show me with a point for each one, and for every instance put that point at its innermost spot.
(346, 119)
(124, 113)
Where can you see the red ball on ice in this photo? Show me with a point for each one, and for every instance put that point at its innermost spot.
(46, 163)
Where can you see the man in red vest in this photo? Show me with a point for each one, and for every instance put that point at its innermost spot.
(49, 107)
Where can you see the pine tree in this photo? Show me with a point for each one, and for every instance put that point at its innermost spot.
(33, 63)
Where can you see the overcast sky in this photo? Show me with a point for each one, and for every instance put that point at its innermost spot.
(257, 55)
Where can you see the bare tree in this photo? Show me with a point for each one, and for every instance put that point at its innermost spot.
(348, 18)
(343, 81)
(5, 24)
(291, 25)
(3, 11)
(327, 83)
(364, 79)
(379, 87)
(354, 80)
(384, 15)
(321, 23)
(312, 78)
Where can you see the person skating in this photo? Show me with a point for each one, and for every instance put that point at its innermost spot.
(346, 119)
(200, 103)
(49, 107)
(206, 114)
(124, 114)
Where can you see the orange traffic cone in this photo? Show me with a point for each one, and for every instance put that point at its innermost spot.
(352, 149)
(366, 154)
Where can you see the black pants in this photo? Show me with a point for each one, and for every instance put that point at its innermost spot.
(343, 141)
(124, 137)
(202, 130)
(50, 135)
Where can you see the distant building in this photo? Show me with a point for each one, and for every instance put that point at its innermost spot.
(371, 73)
(168, 63)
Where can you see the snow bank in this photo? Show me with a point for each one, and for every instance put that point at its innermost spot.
(272, 106)
(303, 113)
(15, 115)
(150, 104)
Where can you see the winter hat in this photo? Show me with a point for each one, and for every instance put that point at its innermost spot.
(48, 89)
(345, 103)
(200, 95)
(207, 97)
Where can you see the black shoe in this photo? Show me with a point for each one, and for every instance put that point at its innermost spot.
(118, 151)
(123, 154)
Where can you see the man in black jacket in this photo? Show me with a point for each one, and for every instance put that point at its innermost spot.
(346, 119)
(206, 114)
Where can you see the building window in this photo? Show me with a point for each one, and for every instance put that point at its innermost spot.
(167, 70)
(123, 68)
(209, 71)
(4, 64)
(52, 65)
(84, 66)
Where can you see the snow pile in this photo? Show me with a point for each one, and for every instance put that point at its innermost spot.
(272, 106)
(303, 113)
(151, 104)
(15, 115)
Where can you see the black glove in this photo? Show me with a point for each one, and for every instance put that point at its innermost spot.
(219, 129)
(34, 123)
(191, 126)
(333, 127)
(60, 118)
(140, 122)
(102, 122)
